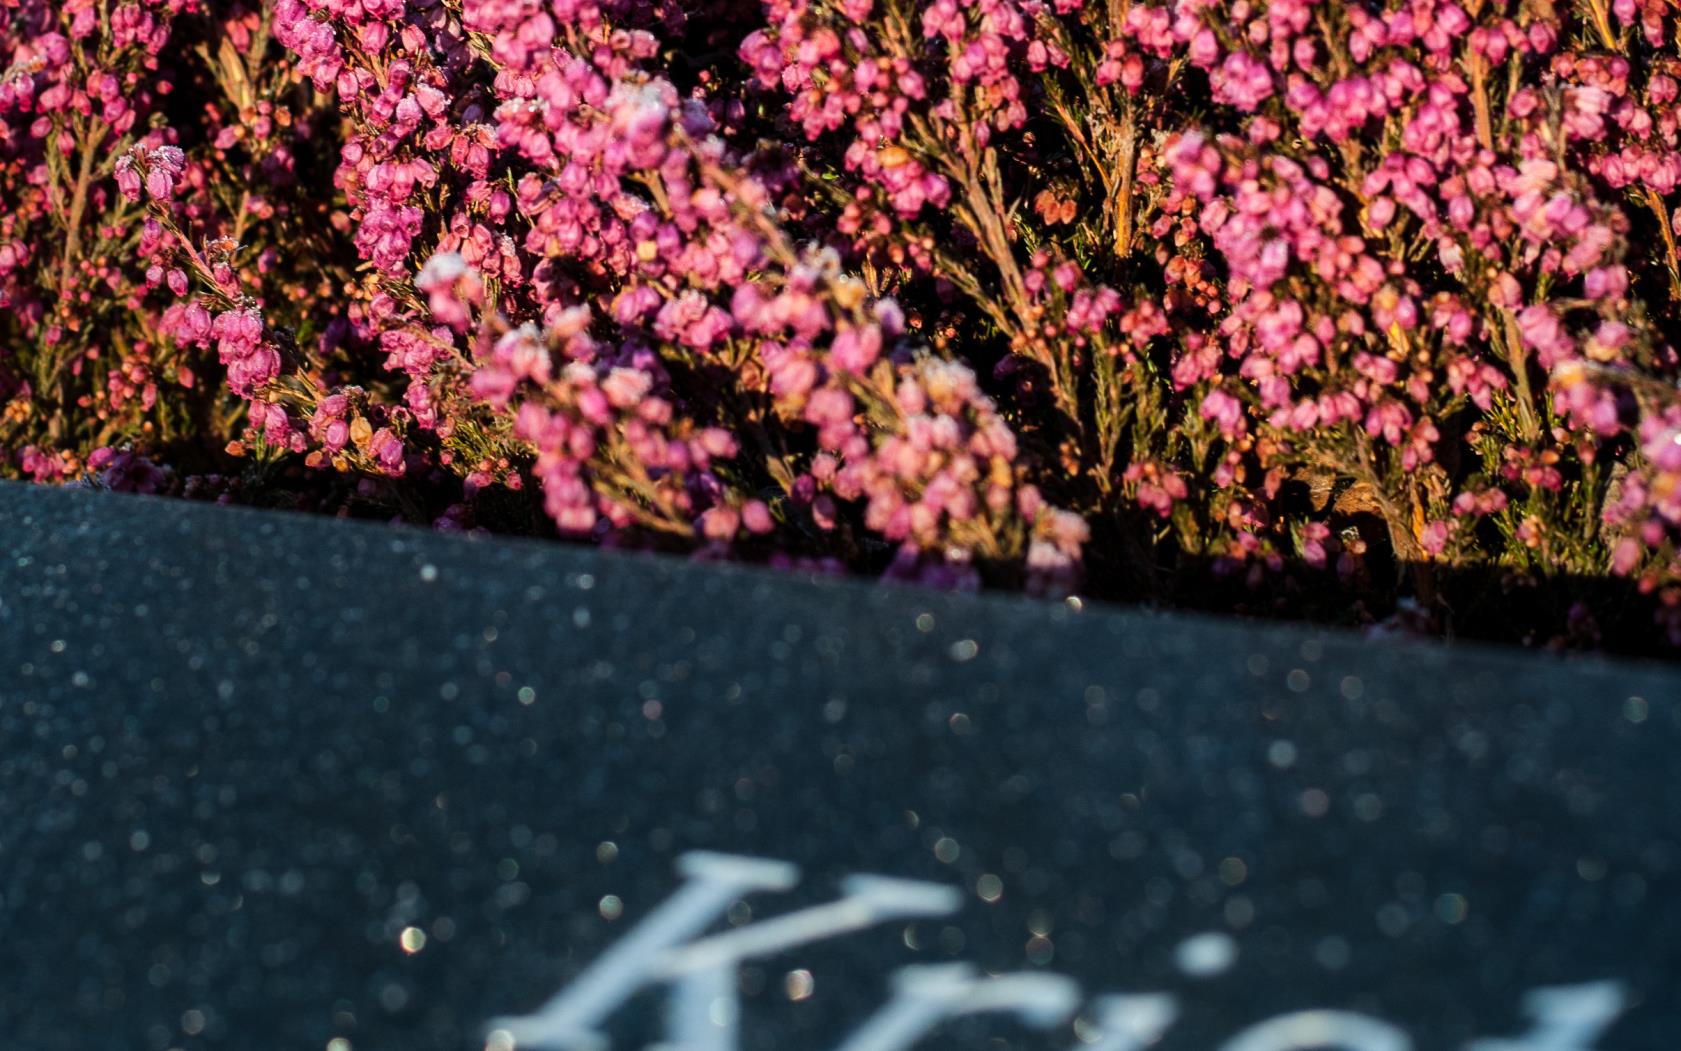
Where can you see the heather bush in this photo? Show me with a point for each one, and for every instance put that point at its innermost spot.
(1313, 307)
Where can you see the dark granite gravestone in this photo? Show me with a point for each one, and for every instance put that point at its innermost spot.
(269, 781)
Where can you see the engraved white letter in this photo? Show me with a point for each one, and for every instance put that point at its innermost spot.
(703, 1011)
(705, 1005)
(1131, 1021)
(1308, 1029)
(926, 994)
(1567, 1018)
(714, 881)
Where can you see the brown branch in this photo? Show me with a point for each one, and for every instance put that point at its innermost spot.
(78, 207)
(1129, 169)
(1519, 362)
(1479, 101)
(1656, 203)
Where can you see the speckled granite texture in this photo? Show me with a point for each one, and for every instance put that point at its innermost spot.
(245, 757)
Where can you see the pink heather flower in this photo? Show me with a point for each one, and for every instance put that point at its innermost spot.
(1434, 538)
(720, 523)
(1242, 82)
(1329, 245)
(125, 471)
(1626, 555)
(128, 179)
(625, 387)
(251, 363)
(855, 349)
(1225, 411)
(164, 166)
(452, 288)
(387, 450)
(756, 517)
(1606, 282)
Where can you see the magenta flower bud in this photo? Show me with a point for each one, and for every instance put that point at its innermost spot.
(594, 406)
(1506, 292)
(716, 441)
(829, 405)
(160, 182)
(1225, 411)
(387, 450)
(128, 180)
(720, 523)
(1204, 50)
(196, 322)
(855, 350)
(626, 387)
(756, 517)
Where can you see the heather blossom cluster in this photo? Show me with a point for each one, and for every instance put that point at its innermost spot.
(1300, 305)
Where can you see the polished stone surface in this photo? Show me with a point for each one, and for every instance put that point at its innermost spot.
(270, 781)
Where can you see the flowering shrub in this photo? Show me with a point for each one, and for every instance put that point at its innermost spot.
(1357, 300)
